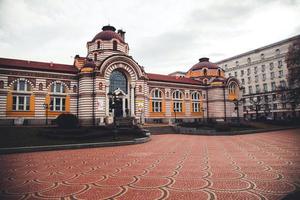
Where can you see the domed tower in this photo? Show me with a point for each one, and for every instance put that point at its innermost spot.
(221, 92)
(106, 43)
(206, 71)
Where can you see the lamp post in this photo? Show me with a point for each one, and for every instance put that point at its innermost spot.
(256, 102)
(237, 102)
(175, 113)
(46, 106)
(203, 110)
(113, 105)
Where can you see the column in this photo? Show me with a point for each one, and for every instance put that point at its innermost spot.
(106, 99)
(123, 106)
(132, 86)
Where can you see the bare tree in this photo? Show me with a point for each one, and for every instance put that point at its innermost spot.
(291, 93)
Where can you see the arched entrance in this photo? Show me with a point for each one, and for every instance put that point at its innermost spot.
(118, 94)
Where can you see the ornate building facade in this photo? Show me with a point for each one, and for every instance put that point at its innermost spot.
(108, 82)
(263, 73)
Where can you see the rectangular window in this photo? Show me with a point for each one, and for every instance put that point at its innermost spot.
(257, 88)
(263, 68)
(156, 106)
(248, 71)
(249, 79)
(255, 70)
(196, 106)
(265, 87)
(21, 103)
(177, 106)
(271, 66)
(256, 78)
(272, 75)
(280, 74)
(242, 72)
(235, 74)
(264, 77)
(250, 90)
(274, 97)
(58, 104)
(275, 106)
(279, 63)
(273, 85)
(243, 81)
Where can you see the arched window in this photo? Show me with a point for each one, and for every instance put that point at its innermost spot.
(1, 84)
(205, 81)
(117, 80)
(21, 95)
(58, 97)
(115, 45)
(40, 86)
(249, 60)
(205, 72)
(74, 89)
(95, 56)
(156, 100)
(196, 101)
(140, 88)
(98, 44)
(232, 89)
(100, 86)
(177, 101)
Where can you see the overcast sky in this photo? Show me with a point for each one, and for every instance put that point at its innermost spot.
(163, 35)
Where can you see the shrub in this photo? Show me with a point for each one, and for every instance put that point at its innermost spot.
(67, 121)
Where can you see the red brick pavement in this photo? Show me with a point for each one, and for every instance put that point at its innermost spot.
(256, 166)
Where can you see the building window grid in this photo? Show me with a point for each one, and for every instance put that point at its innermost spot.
(21, 103)
(58, 98)
(196, 102)
(157, 101)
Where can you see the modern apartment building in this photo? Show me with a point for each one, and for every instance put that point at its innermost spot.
(262, 72)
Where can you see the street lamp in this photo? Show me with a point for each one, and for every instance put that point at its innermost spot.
(236, 104)
(256, 102)
(113, 106)
(46, 106)
(175, 114)
(203, 110)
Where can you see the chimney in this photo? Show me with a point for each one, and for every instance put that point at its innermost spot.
(122, 34)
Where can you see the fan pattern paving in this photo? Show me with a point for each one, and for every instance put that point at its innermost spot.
(256, 166)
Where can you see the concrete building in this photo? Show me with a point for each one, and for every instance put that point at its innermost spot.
(261, 72)
(109, 83)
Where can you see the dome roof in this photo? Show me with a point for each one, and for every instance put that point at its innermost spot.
(108, 33)
(204, 62)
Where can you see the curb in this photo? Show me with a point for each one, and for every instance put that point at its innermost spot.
(72, 146)
(232, 133)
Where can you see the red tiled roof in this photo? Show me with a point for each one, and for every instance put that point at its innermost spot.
(35, 65)
(173, 79)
